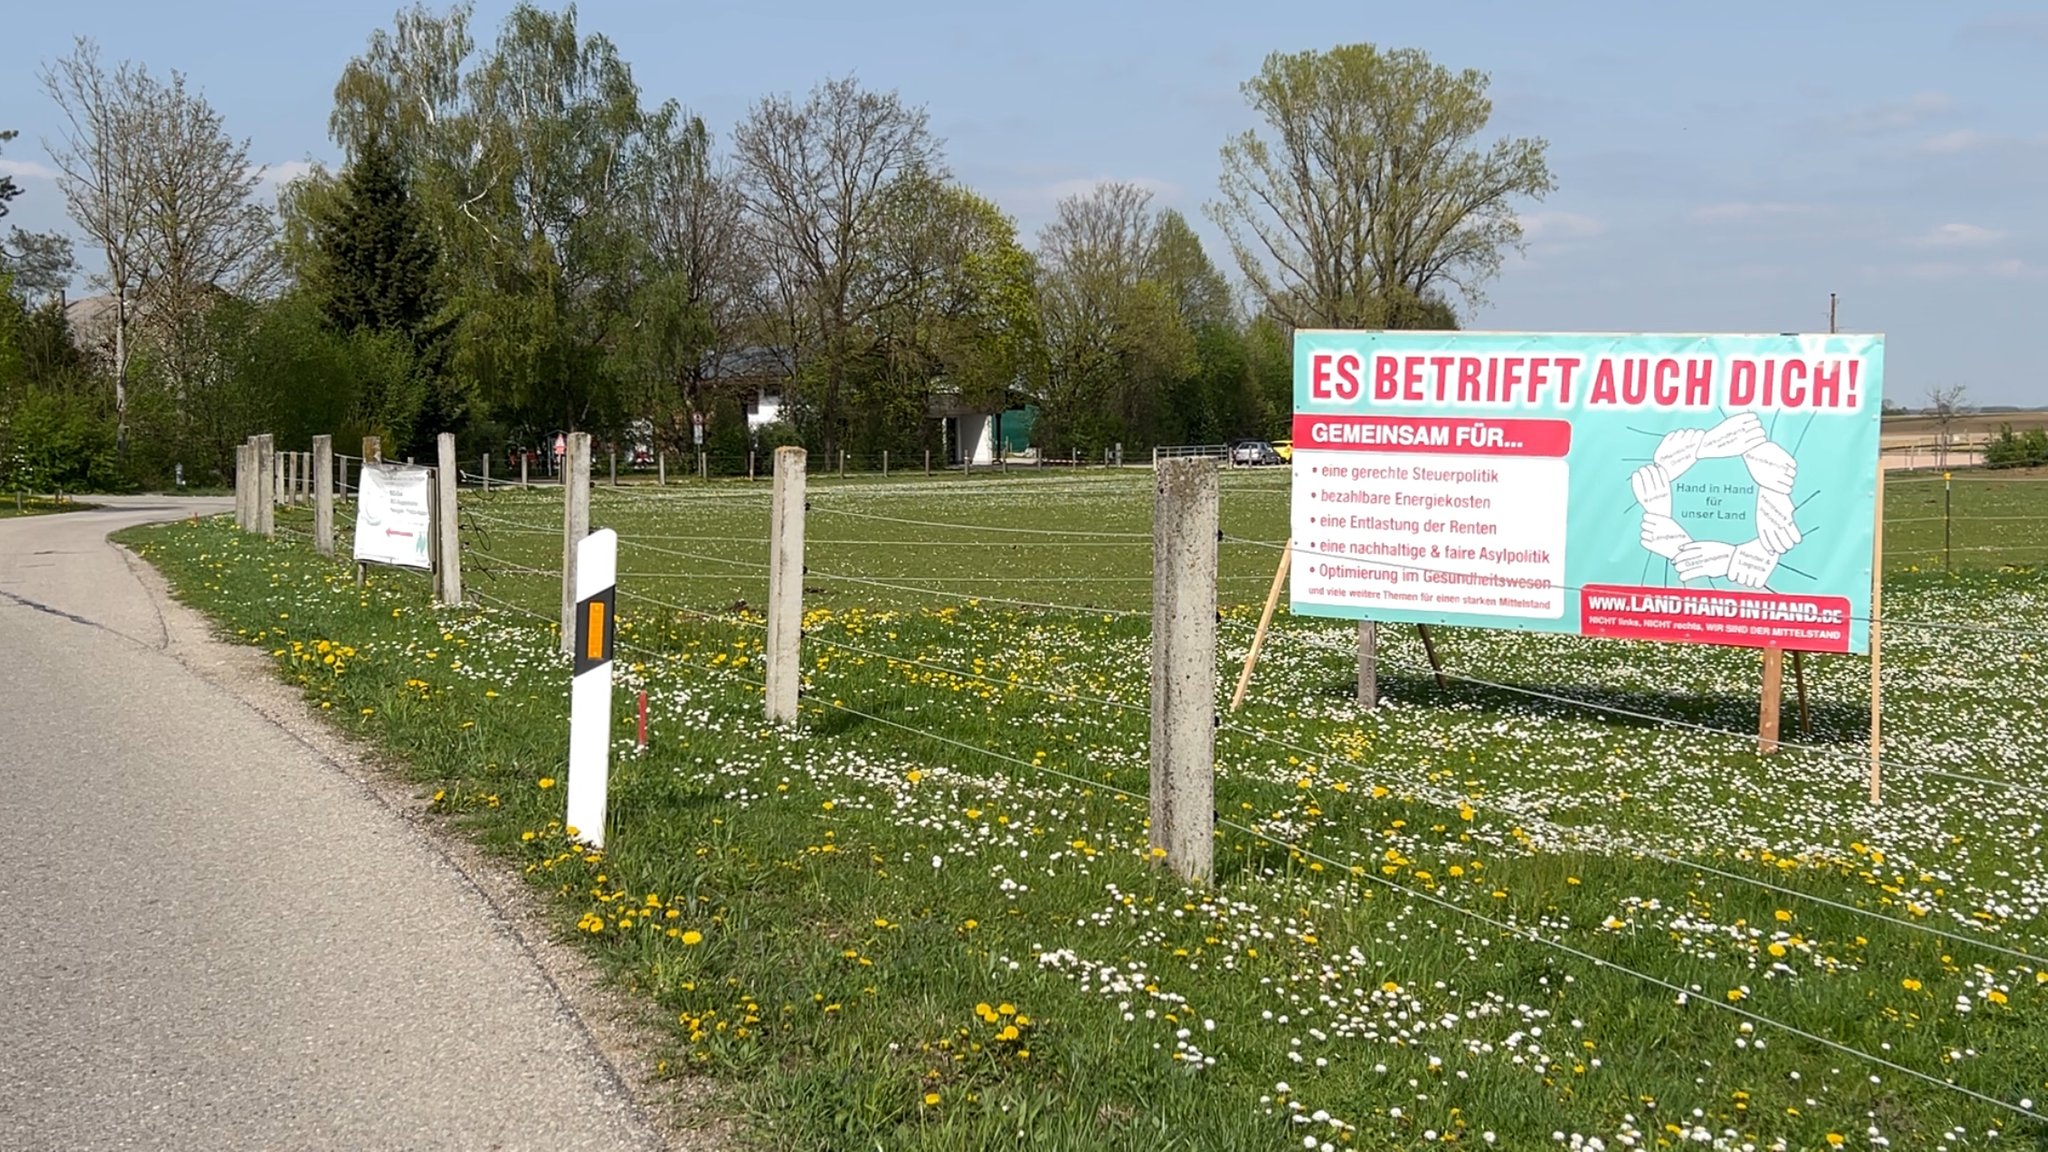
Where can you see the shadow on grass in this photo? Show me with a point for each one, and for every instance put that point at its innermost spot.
(1831, 721)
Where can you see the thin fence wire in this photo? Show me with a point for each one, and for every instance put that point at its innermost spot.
(1607, 845)
(1356, 868)
(956, 526)
(1534, 585)
(1079, 609)
(1685, 995)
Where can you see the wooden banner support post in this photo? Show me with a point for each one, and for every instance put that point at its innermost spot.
(1251, 658)
(373, 453)
(1773, 695)
(1436, 664)
(1876, 637)
(590, 685)
(1799, 686)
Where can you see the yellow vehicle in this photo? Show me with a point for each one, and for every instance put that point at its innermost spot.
(1284, 449)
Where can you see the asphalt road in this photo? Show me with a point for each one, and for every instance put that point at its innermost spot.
(210, 936)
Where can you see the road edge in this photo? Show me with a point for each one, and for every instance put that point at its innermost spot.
(618, 1031)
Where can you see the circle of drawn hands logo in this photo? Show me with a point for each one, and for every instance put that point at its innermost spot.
(1750, 563)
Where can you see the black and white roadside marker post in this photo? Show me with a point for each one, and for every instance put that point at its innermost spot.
(590, 688)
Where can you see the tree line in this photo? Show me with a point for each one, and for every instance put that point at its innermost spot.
(520, 242)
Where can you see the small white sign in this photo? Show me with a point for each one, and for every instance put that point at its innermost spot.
(394, 516)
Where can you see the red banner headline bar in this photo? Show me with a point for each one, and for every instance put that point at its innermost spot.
(1713, 616)
(1453, 436)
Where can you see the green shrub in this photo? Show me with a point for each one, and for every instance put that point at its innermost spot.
(2008, 449)
(53, 440)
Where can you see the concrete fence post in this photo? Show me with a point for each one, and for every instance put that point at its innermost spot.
(522, 467)
(485, 460)
(885, 463)
(266, 484)
(447, 538)
(703, 466)
(786, 585)
(1184, 527)
(661, 469)
(575, 526)
(243, 482)
(615, 467)
(323, 495)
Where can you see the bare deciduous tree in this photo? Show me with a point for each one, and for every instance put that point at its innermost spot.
(815, 176)
(100, 169)
(169, 199)
(1947, 403)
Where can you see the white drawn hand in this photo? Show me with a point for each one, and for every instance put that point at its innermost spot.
(1653, 489)
(1751, 564)
(1663, 536)
(1771, 467)
(1703, 559)
(1774, 526)
(1734, 436)
(1677, 451)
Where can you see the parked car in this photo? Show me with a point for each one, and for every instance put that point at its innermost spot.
(1253, 454)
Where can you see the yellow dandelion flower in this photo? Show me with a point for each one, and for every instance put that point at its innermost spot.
(692, 938)
(1910, 984)
(547, 782)
(1782, 915)
(931, 1099)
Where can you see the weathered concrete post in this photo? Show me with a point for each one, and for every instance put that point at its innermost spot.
(485, 460)
(323, 495)
(244, 483)
(447, 541)
(1368, 664)
(1184, 526)
(575, 526)
(703, 466)
(661, 469)
(522, 467)
(266, 484)
(615, 467)
(785, 585)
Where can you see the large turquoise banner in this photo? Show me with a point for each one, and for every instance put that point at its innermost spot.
(1714, 489)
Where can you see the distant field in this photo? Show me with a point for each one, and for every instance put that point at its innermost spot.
(36, 505)
(1925, 429)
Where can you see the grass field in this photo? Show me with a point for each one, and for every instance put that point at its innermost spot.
(37, 505)
(1555, 904)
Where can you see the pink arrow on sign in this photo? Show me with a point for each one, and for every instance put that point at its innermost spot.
(389, 532)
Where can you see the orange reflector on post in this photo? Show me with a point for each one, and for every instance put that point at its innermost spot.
(595, 633)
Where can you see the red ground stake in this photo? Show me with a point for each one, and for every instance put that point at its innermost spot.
(643, 719)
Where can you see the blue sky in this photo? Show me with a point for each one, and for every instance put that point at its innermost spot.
(1719, 173)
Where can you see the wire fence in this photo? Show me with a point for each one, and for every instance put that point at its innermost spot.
(507, 540)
